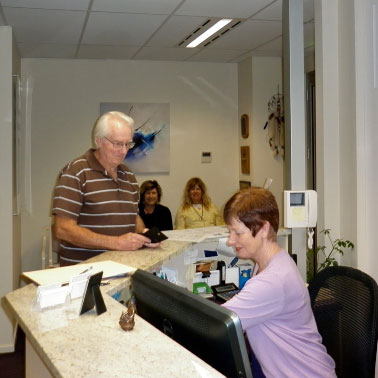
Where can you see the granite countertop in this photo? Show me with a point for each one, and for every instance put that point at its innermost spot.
(96, 346)
(145, 258)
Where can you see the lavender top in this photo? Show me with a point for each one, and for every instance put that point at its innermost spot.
(275, 311)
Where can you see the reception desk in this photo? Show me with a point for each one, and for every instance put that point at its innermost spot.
(60, 343)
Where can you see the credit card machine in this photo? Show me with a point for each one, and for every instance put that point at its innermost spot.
(225, 292)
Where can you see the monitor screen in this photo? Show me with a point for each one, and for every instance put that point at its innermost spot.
(210, 331)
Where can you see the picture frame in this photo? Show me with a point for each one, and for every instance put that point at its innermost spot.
(245, 160)
(244, 126)
(244, 184)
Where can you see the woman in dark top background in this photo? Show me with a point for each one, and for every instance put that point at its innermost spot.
(152, 213)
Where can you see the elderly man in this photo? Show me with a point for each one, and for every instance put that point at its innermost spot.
(96, 196)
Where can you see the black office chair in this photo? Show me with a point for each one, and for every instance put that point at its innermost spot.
(345, 305)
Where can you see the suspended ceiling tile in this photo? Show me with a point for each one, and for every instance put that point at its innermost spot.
(44, 25)
(222, 8)
(272, 12)
(47, 4)
(120, 28)
(175, 30)
(136, 6)
(106, 52)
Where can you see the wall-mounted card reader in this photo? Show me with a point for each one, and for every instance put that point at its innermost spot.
(300, 208)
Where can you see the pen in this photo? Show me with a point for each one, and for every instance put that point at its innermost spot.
(86, 270)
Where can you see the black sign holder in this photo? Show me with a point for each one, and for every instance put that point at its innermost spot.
(92, 296)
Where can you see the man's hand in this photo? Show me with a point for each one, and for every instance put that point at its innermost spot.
(132, 242)
(67, 229)
(152, 245)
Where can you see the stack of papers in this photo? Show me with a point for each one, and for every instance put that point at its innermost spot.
(198, 235)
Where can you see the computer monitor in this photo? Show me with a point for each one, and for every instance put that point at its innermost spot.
(210, 331)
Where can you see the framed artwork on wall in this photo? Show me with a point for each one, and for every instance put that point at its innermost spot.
(244, 125)
(244, 159)
(151, 135)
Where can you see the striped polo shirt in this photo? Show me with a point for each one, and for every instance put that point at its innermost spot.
(86, 193)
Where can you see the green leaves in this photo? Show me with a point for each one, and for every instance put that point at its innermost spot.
(337, 246)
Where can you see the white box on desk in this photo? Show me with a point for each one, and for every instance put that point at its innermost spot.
(232, 275)
(213, 279)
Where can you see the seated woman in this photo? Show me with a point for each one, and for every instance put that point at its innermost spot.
(196, 209)
(274, 305)
(152, 213)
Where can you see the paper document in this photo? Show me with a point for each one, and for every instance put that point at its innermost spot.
(198, 235)
(64, 274)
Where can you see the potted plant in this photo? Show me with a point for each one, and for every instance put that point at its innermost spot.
(326, 257)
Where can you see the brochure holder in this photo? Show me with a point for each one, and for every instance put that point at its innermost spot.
(92, 296)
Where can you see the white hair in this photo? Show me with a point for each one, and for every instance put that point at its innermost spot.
(101, 126)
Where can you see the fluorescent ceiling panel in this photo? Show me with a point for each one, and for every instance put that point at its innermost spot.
(248, 35)
(175, 30)
(209, 32)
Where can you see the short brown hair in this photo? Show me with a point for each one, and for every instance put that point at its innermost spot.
(149, 185)
(253, 206)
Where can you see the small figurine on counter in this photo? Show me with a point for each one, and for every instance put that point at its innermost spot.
(127, 321)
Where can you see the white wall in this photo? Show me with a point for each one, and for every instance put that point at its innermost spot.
(259, 80)
(366, 66)
(347, 133)
(327, 117)
(266, 82)
(9, 223)
(245, 107)
(61, 102)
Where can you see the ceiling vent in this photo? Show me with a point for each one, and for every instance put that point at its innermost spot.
(205, 26)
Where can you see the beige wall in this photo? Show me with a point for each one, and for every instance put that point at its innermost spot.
(61, 99)
(9, 221)
(347, 133)
(259, 80)
(366, 135)
(61, 102)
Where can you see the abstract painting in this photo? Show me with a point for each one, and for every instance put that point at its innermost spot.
(151, 135)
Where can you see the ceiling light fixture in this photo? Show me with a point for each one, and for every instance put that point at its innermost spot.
(219, 25)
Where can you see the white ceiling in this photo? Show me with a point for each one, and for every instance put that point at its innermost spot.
(146, 29)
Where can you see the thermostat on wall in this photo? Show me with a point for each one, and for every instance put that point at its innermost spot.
(206, 157)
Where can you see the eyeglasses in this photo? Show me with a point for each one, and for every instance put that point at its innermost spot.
(119, 145)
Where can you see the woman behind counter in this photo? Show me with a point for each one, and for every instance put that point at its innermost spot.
(196, 209)
(274, 305)
(152, 213)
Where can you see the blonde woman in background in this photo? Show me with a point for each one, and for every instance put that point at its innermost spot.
(196, 209)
